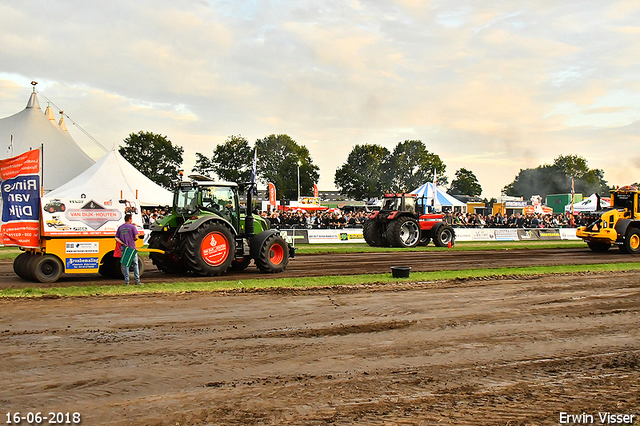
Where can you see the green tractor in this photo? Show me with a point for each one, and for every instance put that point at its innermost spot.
(208, 233)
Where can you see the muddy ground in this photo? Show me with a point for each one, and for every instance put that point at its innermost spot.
(504, 351)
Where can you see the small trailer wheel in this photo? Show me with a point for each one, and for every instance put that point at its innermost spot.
(46, 268)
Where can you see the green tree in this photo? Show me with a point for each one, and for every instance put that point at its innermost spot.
(556, 179)
(361, 177)
(154, 156)
(279, 160)
(411, 165)
(231, 161)
(465, 183)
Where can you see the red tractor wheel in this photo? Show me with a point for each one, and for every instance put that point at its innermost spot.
(404, 232)
(273, 256)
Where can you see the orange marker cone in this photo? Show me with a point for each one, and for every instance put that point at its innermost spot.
(449, 244)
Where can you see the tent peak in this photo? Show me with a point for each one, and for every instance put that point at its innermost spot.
(61, 122)
(33, 101)
(49, 113)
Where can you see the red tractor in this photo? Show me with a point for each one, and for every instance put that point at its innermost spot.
(403, 221)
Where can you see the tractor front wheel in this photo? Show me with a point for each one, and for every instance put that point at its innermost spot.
(444, 235)
(209, 250)
(273, 256)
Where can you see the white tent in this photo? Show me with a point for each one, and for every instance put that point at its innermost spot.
(588, 204)
(29, 129)
(440, 198)
(113, 177)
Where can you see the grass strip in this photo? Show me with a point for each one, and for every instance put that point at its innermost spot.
(333, 280)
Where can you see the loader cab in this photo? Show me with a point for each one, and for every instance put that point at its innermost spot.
(626, 199)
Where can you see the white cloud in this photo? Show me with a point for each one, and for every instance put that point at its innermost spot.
(490, 87)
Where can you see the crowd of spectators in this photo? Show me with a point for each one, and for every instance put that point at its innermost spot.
(336, 219)
(328, 219)
(151, 215)
(517, 220)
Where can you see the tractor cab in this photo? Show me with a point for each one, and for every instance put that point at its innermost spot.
(203, 197)
(399, 202)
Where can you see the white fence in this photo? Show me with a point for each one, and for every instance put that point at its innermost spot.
(354, 235)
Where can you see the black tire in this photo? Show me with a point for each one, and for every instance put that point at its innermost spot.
(107, 266)
(373, 234)
(18, 265)
(598, 247)
(444, 234)
(170, 262)
(403, 232)
(273, 256)
(209, 250)
(113, 267)
(240, 264)
(47, 268)
(28, 267)
(425, 239)
(631, 244)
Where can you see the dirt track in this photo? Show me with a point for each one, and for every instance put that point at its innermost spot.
(360, 263)
(510, 351)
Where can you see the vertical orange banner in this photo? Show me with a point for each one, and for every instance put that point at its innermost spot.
(20, 189)
(315, 191)
(272, 194)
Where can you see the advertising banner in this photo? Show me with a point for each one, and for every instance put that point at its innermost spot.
(295, 236)
(347, 235)
(506, 234)
(528, 234)
(20, 187)
(272, 195)
(315, 191)
(568, 234)
(86, 216)
(550, 234)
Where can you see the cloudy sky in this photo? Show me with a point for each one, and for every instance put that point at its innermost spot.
(492, 86)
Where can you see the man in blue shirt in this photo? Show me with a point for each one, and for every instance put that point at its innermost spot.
(127, 234)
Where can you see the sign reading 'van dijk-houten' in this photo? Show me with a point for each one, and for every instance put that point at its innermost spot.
(20, 189)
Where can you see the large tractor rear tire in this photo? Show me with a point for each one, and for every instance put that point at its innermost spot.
(273, 254)
(631, 244)
(209, 250)
(168, 262)
(374, 234)
(403, 232)
(443, 235)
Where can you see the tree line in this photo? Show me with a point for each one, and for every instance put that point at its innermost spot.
(369, 170)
